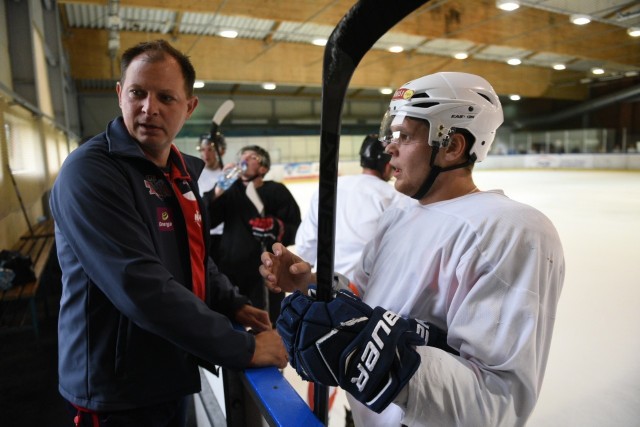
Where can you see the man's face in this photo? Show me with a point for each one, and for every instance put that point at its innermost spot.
(254, 165)
(209, 155)
(154, 103)
(410, 154)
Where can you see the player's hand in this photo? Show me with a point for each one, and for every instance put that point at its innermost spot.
(267, 228)
(254, 318)
(284, 271)
(269, 350)
(368, 352)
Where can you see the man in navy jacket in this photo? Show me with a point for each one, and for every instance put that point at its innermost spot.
(142, 303)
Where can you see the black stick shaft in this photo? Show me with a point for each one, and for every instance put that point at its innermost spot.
(352, 38)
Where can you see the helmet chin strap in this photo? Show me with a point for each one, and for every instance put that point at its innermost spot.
(435, 171)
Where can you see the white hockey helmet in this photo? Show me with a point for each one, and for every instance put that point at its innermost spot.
(448, 101)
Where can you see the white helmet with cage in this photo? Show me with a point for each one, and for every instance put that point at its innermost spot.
(448, 101)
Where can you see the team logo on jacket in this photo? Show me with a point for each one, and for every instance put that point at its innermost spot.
(165, 219)
(157, 187)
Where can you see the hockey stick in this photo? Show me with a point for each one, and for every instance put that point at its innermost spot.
(254, 197)
(221, 113)
(352, 38)
(256, 200)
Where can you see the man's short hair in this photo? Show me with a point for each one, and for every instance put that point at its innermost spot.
(156, 51)
(265, 159)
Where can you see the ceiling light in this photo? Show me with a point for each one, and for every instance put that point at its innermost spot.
(507, 5)
(632, 73)
(319, 42)
(198, 84)
(228, 34)
(514, 97)
(580, 19)
(396, 49)
(559, 67)
(597, 70)
(386, 91)
(461, 55)
(634, 31)
(514, 61)
(268, 86)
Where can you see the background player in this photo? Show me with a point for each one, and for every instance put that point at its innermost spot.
(361, 199)
(212, 151)
(247, 231)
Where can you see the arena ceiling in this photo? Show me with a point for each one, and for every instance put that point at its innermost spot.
(274, 44)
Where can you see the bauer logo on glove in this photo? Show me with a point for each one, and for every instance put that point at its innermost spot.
(372, 349)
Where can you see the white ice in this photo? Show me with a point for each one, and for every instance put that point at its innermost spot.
(593, 373)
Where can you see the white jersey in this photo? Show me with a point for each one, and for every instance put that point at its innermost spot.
(488, 270)
(206, 182)
(360, 201)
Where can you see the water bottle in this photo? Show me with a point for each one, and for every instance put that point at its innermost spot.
(229, 176)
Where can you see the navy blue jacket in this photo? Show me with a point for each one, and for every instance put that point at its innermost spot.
(130, 329)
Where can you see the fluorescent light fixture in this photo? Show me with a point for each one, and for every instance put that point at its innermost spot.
(507, 5)
(580, 19)
(632, 73)
(198, 84)
(396, 49)
(228, 34)
(386, 91)
(634, 31)
(585, 81)
(461, 55)
(268, 86)
(559, 67)
(597, 70)
(514, 97)
(514, 61)
(319, 42)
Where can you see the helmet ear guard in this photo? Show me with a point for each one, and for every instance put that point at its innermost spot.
(444, 137)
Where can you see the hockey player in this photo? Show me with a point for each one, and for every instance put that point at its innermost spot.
(361, 199)
(211, 152)
(486, 269)
(247, 231)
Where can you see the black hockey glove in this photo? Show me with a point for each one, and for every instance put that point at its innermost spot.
(268, 227)
(368, 352)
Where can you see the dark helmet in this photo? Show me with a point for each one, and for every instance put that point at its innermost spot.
(218, 140)
(372, 155)
(265, 159)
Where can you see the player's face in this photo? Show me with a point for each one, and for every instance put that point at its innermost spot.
(209, 155)
(410, 154)
(254, 165)
(154, 104)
